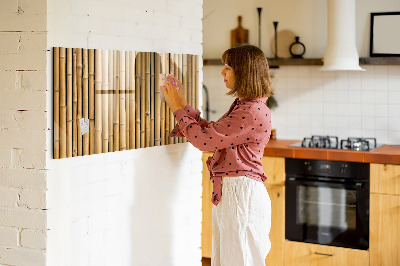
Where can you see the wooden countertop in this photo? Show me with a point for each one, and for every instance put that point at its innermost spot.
(389, 154)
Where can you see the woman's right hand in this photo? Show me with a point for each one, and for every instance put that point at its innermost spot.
(181, 91)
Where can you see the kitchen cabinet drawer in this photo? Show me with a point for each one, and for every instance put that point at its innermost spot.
(385, 178)
(305, 254)
(274, 168)
(384, 236)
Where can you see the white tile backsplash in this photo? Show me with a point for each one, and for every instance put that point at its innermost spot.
(342, 103)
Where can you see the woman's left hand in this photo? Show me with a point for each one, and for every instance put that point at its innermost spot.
(171, 95)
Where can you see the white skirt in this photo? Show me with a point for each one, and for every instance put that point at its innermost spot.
(241, 223)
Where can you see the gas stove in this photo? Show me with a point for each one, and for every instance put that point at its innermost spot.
(332, 142)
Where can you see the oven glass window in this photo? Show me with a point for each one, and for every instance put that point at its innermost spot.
(326, 207)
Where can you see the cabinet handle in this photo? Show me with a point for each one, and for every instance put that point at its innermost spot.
(325, 254)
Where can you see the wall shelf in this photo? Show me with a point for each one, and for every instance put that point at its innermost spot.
(274, 63)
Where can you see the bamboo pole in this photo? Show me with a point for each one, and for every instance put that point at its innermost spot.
(98, 112)
(172, 70)
(132, 104)
(189, 80)
(168, 140)
(69, 102)
(63, 104)
(143, 101)
(127, 96)
(85, 97)
(179, 77)
(147, 97)
(56, 103)
(122, 102)
(111, 101)
(163, 107)
(197, 82)
(116, 100)
(185, 78)
(91, 102)
(157, 101)
(104, 95)
(79, 115)
(137, 98)
(74, 105)
(152, 99)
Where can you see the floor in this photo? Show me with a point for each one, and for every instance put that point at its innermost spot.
(206, 261)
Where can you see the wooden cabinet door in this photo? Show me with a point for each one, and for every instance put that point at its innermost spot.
(206, 232)
(277, 233)
(304, 254)
(274, 168)
(385, 178)
(384, 236)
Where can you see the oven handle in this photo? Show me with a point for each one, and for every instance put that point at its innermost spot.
(357, 185)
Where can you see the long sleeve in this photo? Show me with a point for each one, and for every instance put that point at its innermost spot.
(193, 113)
(231, 130)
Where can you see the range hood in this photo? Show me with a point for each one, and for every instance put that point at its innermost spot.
(341, 51)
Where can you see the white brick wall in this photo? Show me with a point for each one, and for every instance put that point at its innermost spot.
(23, 132)
(137, 207)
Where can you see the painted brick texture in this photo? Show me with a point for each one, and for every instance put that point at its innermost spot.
(23, 128)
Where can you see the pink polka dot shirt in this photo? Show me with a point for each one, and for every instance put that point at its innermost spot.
(238, 139)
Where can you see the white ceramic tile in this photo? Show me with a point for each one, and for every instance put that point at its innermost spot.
(355, 109)
(342, 122)
(394, 110)
(394, 123)
(381, 97)
(355, 132)
(381, 110)
(329, 94)
(292, 82)
(367, 122)
(329, 109)
(394, 83)
(381, 84)
(394, 137)
(394, 70)
(382, 136)
(329, 121)
(317, 95)
(368, 110)
(380, 71)
(394, 97)
(304, 72)
(367, 96)
(355, 96)
(381, 123)
(342, 96)
(355, 122)
(303, 82)
(317, 107)
(291, 71)
(342, 109)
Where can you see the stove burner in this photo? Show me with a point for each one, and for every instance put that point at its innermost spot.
(328, 142)
(358, 144)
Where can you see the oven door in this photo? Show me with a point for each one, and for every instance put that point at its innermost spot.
(327, 213)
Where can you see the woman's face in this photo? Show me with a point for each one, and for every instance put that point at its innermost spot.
(229, 76)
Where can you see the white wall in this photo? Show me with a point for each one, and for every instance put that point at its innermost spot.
(136, 207)
(311, 102)
(305, 18)
(23, 132)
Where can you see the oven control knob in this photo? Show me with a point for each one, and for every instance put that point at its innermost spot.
(343, 168)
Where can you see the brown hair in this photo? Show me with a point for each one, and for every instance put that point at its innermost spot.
(250, 66)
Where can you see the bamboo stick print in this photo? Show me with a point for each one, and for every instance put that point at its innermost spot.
(172, 69)
(122, 102)
(157, 101)
(193, 101)
(152, 99)
(197, 81)
(91, 102)
(147, 98)
(143, 101)
(179, 77)
(111, 101)
(98, 112)
(137, 98)
(163, 107)
(63, 104)
(79, 115)
(56, 102)
(69, 102)
(127, 95)
(116, 100)
(74, 104)
(168, 140)
(185, 78)
(132, 104)
(105, 92)
(85, 97)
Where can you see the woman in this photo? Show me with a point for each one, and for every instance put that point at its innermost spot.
(242, 208)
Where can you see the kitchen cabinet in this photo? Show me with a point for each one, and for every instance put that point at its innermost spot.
(305, 254)
(274, 168)
(385, 214)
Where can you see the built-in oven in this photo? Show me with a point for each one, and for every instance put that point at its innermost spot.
(327, 202)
